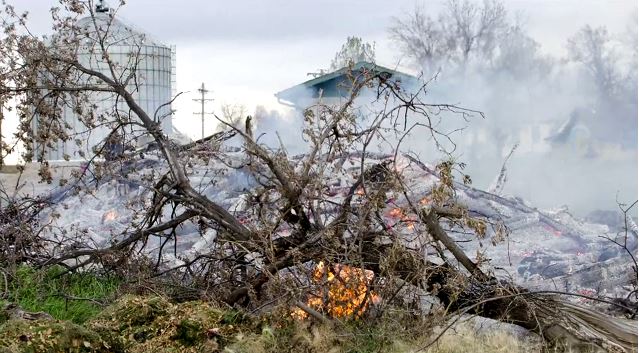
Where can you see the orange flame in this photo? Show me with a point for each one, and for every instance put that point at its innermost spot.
(346, 291)
(401, 215)
(109, 216)
(396, 213)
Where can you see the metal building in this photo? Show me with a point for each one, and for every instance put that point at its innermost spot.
(334, 87)
(152, 86)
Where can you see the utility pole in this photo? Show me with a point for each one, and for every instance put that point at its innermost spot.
(203, 91)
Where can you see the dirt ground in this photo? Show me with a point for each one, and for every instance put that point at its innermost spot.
(28, 183)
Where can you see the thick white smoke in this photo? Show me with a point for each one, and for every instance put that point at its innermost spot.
(577, 145)
(573, 117)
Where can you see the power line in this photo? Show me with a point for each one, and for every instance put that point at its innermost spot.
(203, 91)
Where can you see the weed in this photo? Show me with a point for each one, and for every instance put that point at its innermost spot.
(75, 296)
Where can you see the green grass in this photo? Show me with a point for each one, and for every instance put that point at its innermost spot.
(135, 324)
(75, 297)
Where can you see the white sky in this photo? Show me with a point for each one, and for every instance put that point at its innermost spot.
(247, 50)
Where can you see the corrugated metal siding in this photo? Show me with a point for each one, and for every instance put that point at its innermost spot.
(154, 88)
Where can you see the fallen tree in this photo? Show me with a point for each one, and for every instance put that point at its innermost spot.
(288, 222)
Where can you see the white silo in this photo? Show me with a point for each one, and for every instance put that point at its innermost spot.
(151, 83)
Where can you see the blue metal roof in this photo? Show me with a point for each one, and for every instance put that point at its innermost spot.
(338, 83)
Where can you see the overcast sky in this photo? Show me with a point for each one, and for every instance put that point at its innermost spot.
(247, 50)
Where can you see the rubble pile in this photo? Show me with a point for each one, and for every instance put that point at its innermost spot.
(543, 249)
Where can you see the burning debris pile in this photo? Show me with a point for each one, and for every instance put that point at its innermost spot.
(392, 202)
(538, 249)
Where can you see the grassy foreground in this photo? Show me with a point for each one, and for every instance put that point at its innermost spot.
(81, 322)
(153, 324)
(75, 297)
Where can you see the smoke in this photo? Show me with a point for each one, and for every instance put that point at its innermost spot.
(280, 130)
(574, 119)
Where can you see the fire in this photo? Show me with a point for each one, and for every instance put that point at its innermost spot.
(399, 213)
(109, 216)
(345, 291)
(360, 191)
(396, 213)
